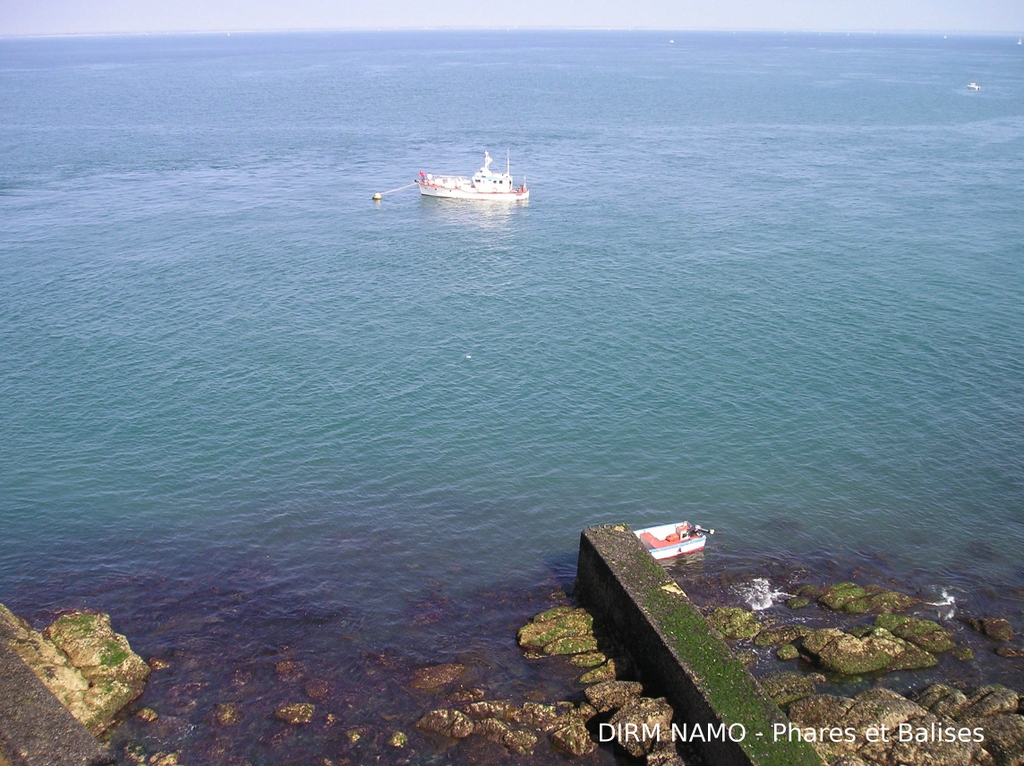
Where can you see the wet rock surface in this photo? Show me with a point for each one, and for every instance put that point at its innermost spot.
(942, 727)
(995, 628)
(91, 669)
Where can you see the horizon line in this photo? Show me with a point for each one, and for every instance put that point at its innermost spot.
(335, 30)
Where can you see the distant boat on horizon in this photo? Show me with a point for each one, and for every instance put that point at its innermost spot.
(973, 86)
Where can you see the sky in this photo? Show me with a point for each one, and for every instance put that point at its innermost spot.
(61, 17)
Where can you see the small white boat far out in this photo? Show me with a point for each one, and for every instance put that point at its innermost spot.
(484, 185)
(973, 86)
(670, 540)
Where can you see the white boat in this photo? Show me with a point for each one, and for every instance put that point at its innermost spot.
(670, 540)
(484, 185)
(973, 86)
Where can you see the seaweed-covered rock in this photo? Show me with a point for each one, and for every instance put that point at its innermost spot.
(781, 634)
(995, 628)
(227, 714)
(1011, 652)
(448, 722)
(82, 661)
(645, 717)
(734, 622)
(876, 651)
(436, 676)
(604, 672)
(516, 740)
(856, 599)
(927, 634)
(539, 716)
(785, 688)
(398, 739)
(610, 695)
(295, 713)
(787, 652)
(588, 660)
(573, 739)
(571, 645)
(574, 623)
(500, 709)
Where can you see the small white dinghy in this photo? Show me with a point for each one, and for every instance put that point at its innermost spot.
(670, 540)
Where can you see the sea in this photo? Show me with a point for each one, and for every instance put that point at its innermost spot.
(284, 434)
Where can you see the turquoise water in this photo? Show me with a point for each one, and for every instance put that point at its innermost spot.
(773, 284)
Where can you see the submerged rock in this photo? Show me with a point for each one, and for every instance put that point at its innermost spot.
(296, 713)
(398, 739)
(995, 628)
(436, 676)
(91, 669)
(227, 714)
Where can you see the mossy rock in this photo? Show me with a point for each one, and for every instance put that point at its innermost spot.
(878, 650)
(856, 599)
(601, 673)
(787, 652)
(785, 688)
(553, 613)
(734, 622)
(798, 602)
(782, 634)
(566, 624)
(571, 645)
(589, 660)
(963, 653)
(926, 634)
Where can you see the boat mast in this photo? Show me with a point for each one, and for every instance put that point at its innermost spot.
(508, 163)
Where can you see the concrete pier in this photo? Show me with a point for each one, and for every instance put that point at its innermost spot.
(679, 655)
(35, 728)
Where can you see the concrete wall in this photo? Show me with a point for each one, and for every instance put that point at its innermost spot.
(35, 728)
(677, 652)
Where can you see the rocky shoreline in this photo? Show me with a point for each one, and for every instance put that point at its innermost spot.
(837, 657)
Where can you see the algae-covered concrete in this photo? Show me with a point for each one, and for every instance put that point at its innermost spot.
(679, 654)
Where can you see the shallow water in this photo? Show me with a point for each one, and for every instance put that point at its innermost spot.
(771, 283)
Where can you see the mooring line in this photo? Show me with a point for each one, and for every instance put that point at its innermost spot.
(378, 195)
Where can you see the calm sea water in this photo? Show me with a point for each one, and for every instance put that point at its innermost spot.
(773, 284)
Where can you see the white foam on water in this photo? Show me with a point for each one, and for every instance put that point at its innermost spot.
(946, 605)
(760, 595)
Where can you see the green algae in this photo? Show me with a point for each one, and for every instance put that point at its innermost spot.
(725, 682)
(734, 622)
